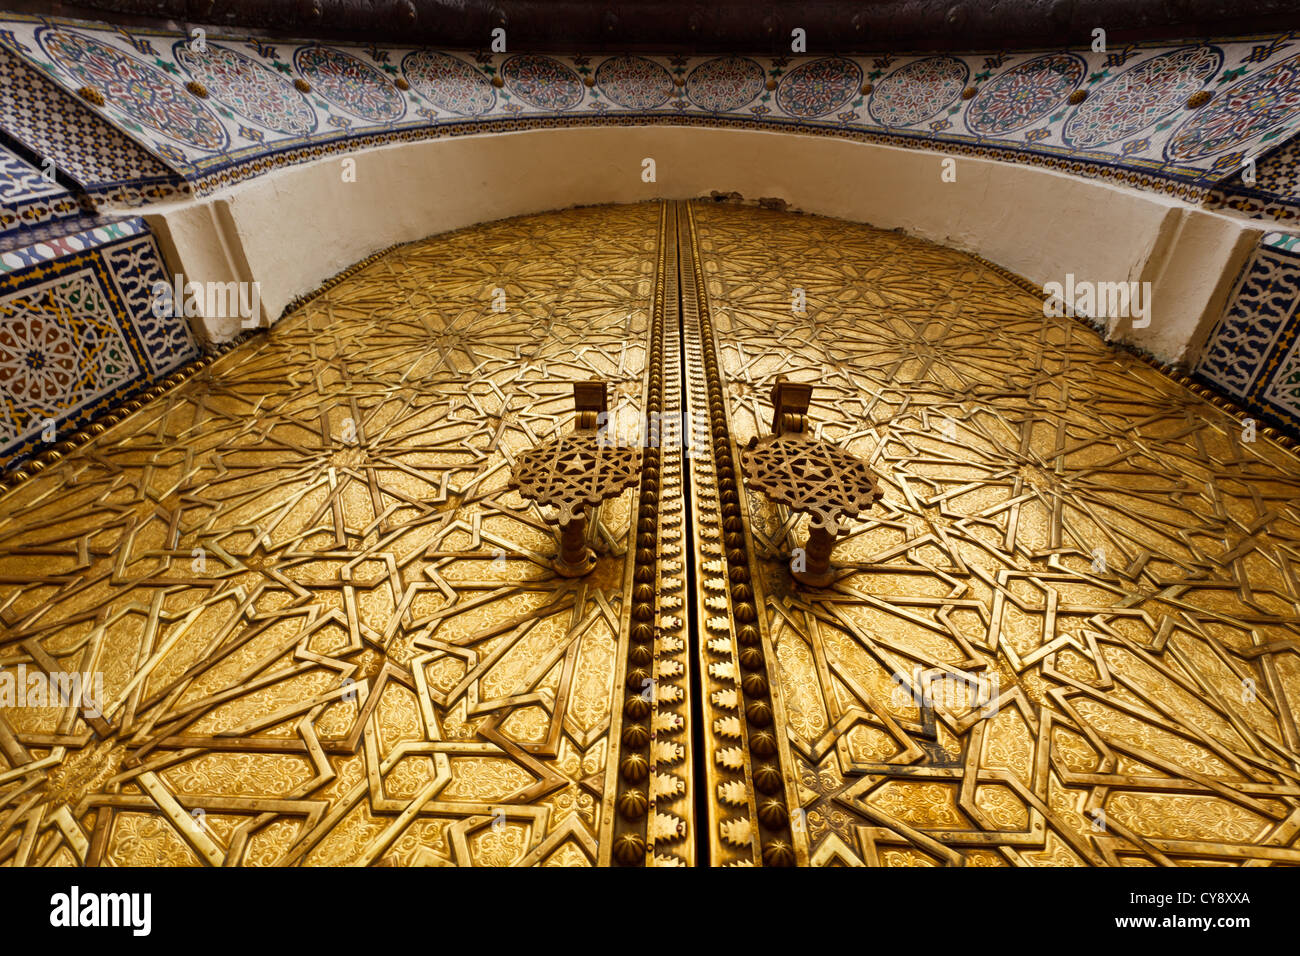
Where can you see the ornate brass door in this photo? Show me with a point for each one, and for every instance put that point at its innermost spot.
(329, 630)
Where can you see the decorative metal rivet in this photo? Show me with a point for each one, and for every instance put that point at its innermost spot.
(772, 813)
(1077, 97)
(767, 778)
(198, 89)
(632, 804)
(302, 85)
(1198, 99)
(636, 735)
(634, 768)
(759, 713)
(754, 685)
(91, 95)
(778, 853)
(629, 849)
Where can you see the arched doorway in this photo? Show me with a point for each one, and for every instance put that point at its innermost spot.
(329, 631)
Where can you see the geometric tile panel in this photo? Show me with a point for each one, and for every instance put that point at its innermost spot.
(77, 333)
(1253, 353)
(1275, 193)
(249, 116)
(27, 197)
(101, 159)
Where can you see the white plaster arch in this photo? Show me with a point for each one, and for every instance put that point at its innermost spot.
(293, 228)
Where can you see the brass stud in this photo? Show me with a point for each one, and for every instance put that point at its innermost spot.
(302, 85)
(91, 95)
(641, 654)
(629, 849)
(772, 813)
(1077, 97)
(969, 93)
(636, 679)
(198, 89)
(401, 84)
(763, 743)
(759, 713)
(754, 685)
(770, 85)
(632, 804)
(636, 707)
(778, 853)
(634, 767)
(636, 735)
(1198, 99)
(767, 778)
(866, 89)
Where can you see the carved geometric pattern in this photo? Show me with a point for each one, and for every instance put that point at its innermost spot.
(1059, 522)
(1251, 351)
(328, 632)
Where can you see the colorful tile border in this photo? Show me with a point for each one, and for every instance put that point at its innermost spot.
(29, 196)
(46, 249)
(77, 334)
(1182, 118)
(1253, 353)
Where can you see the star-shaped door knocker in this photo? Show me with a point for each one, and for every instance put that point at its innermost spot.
(810, 476)
(577, 470)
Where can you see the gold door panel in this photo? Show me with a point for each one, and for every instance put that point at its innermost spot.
(330, 632)
(1059, 521)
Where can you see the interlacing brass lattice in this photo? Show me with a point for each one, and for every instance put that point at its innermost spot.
(1071, 631)
(329, 633)
(1068, 631)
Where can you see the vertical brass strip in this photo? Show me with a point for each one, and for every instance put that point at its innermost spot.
(648, 822)
(745, 746)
